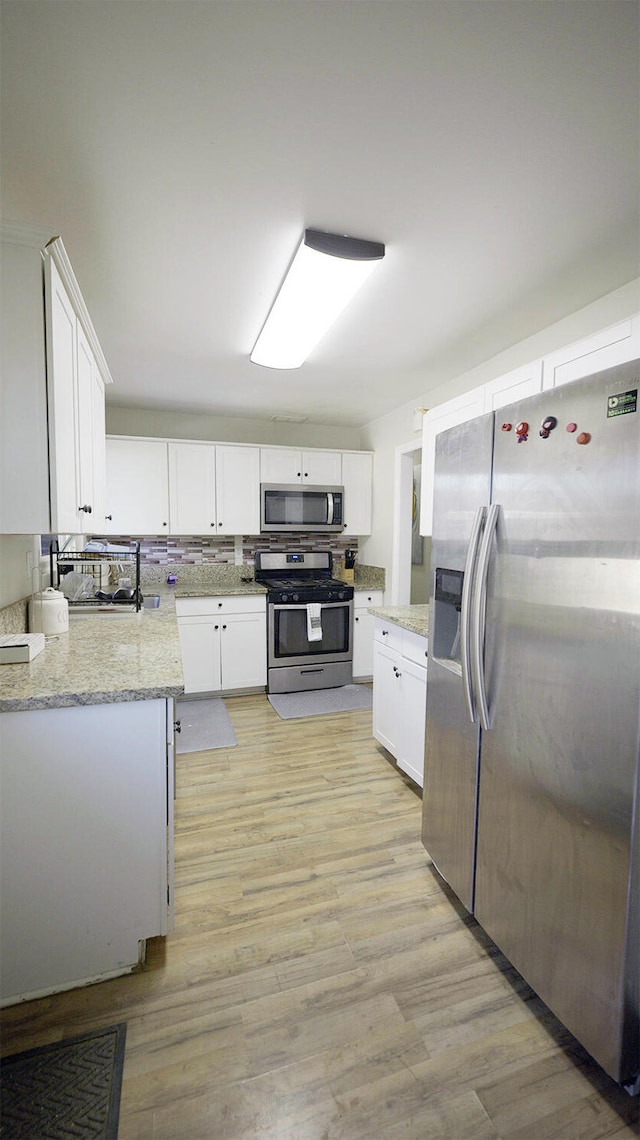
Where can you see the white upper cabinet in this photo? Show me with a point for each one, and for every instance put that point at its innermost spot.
(160, 486)
(63, 410)
(237, 489)
(288, 465)
(91, 458)
(52, 398)
(441, 418)
(192, 488)
(137, 487)
(611, 346)
(357, 480)
(516, 385)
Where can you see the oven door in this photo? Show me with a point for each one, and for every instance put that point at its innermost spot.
(288, 641)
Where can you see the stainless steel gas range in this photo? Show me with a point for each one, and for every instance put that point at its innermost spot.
(309, 621)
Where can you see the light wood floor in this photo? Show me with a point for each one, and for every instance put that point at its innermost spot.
(320, 982)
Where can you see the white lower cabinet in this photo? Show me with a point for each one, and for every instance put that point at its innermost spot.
(363, 627)
(400, 695)
(87, 842)
(223, 641)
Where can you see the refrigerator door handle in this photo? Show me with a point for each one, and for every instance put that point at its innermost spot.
(465, 611)
(478, 615)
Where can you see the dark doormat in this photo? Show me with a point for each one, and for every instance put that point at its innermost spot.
(69, 1088)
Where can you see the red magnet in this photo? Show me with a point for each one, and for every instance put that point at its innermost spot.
(584, 437)
(507, 427)
(571, 427)
(522, 430)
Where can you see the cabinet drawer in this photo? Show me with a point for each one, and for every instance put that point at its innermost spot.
(389, 634)
(226, 604)
(364, 598)
(415, 647)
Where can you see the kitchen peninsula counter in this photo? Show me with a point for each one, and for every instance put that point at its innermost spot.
(105, 658)
(413, 618)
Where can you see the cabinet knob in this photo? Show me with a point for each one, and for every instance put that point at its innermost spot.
(299, 473)
(216, 627)
(385, 633)
(86, 509)
(165, 524)
(177, 726)
(356, 619)
(219, 605)
(219, 524)
(109, 517)
(224, 627)
(212, 524)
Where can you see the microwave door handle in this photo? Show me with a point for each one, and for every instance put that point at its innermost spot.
(465, 614)
(479, 613)
(329, 507)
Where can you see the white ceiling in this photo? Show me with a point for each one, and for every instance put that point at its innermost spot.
(180, 147)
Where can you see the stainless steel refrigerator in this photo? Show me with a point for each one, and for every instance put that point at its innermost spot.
(531, 799)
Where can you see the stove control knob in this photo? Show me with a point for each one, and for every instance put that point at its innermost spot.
(294, 597)
(340, 594)
(283, 597)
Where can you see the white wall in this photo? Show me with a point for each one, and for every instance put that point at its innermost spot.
(15, 580)
(388, 432)
(232, 429)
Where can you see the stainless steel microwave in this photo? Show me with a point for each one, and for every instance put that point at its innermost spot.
(294, 506)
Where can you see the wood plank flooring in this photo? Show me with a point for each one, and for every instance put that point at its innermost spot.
(321, 982)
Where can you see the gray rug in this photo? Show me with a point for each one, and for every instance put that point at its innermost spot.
(292, 705)
(204, 724)
(69, 1088)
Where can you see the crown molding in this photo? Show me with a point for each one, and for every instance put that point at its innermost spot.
(25, 233)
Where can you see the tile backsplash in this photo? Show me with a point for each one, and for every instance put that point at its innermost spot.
(165, 550)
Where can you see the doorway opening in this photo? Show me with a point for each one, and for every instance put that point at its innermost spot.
(411, 550)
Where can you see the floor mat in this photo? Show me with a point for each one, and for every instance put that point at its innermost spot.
(204, 724)
(69, 1088)
(292, 705)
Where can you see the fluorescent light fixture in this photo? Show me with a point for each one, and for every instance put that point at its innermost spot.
(326, 271)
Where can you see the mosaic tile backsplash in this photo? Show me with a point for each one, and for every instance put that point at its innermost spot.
(164, 550)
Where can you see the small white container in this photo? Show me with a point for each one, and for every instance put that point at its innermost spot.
(49, 613)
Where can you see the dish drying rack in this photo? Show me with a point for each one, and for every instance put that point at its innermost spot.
(87, 562)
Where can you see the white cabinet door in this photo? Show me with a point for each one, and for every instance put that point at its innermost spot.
(357, 480)
(413, 681)
(516, 385)
(192, 488)
(137, 486)
(238, 489)
(84, 866)
(387, 698)
(611, 346)
(363, 631)
(223, 641)
(243, 645)
(200, 648)
(444, 416)
(91, 439)
(288, 465)
(363, 625)
(61, 401)
(322, 468)
(280, 465)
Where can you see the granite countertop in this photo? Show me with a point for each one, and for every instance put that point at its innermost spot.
(413, 618)
(105, 657)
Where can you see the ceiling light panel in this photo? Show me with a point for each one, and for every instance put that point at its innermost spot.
(326, 272)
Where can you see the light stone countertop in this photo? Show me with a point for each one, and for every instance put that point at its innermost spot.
(105, 657)
(413, 618)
